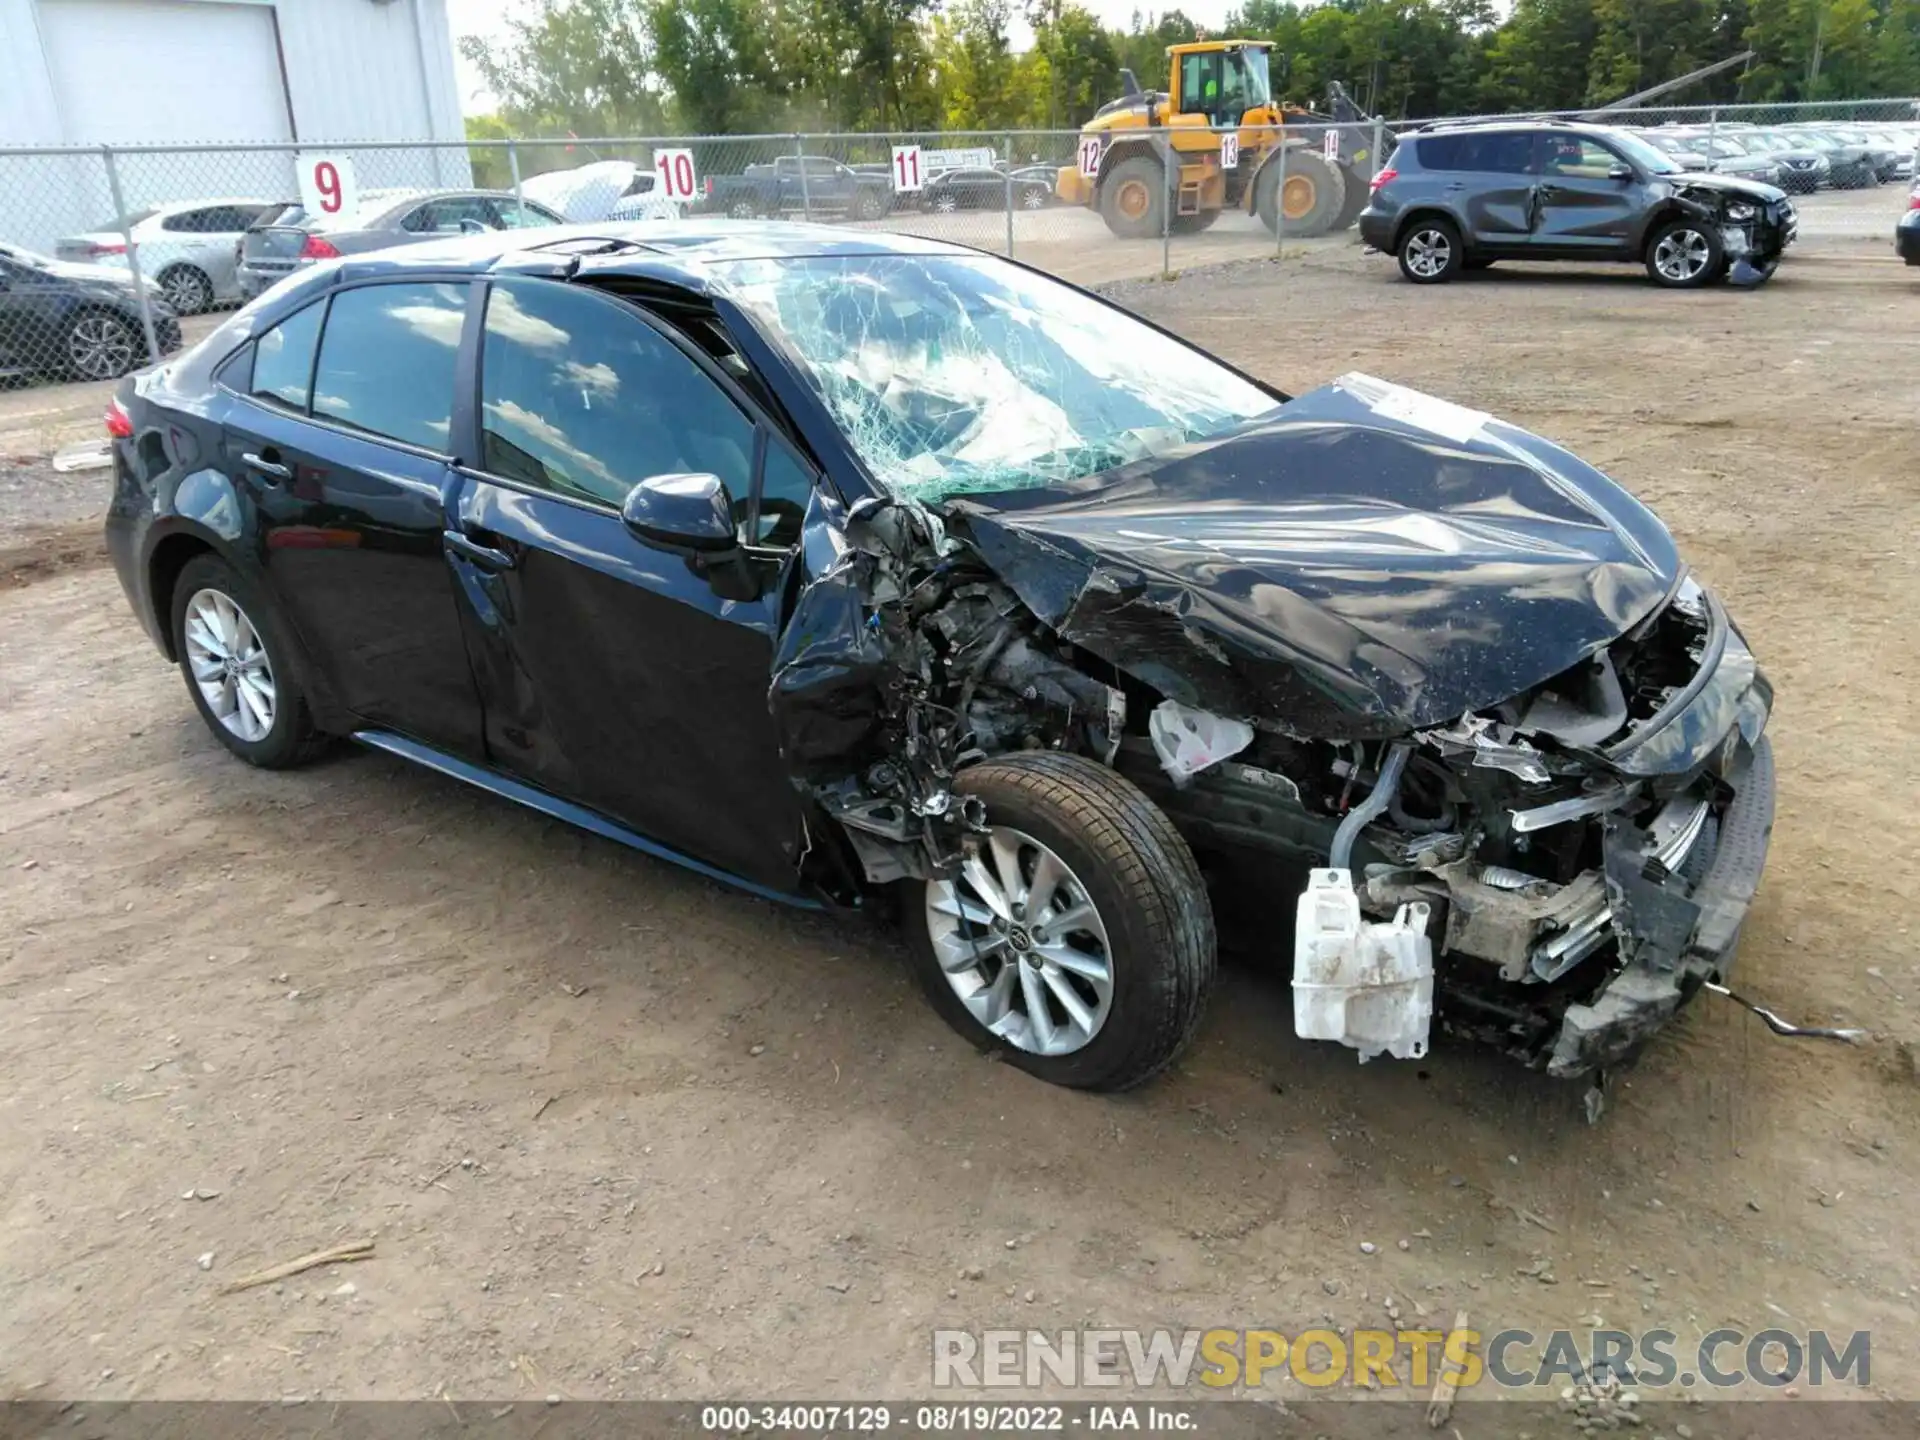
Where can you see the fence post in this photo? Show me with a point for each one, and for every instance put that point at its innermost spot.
(1379, 159)
(1171, 169)
(133, 254)
(1280, 198)
(1713, 136)
(1009, 174)
(806, 198)
(513, 164)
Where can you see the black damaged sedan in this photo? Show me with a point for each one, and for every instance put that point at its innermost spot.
(847, 567)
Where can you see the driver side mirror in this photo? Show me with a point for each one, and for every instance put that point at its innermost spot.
(1620, 171)
(683, 512)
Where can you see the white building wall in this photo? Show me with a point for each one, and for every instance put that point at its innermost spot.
(353, 70)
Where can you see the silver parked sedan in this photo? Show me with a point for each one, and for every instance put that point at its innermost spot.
(290, 239)
(188, 250)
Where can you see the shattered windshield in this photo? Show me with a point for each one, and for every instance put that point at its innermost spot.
(953, 375)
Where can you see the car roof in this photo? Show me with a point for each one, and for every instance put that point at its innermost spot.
(680, 251)
(1476, 127)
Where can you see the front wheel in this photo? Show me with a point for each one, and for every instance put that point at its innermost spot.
(100, 345)
(870, 205)
(1684, 254)
(1132, 197)
(1076, 940)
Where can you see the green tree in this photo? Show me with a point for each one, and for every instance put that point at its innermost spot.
(574, 67)
(973, 66)
(1072, 69)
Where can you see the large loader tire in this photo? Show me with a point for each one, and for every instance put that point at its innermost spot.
(1359, 189)
(1133, 197)
(1314, 194)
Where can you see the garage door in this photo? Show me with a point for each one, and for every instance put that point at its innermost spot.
(157, 72)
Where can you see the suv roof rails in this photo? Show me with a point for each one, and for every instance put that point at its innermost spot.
(1485, 121)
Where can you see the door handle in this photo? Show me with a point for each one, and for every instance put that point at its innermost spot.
(484, 555)
(272, 469)
(1456, 186)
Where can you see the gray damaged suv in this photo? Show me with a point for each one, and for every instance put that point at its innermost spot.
(1461, 197)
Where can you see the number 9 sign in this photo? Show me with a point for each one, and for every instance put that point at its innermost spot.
(675, 168)
(327, 185)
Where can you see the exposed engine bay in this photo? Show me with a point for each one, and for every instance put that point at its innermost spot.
(1553, 874)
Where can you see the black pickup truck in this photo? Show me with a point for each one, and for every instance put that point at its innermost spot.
(823, 189)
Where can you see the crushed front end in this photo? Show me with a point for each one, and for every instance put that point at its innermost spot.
(1755, 225)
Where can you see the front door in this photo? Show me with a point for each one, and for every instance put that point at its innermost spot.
(1588, 198)
(347, 463)
(612, 673)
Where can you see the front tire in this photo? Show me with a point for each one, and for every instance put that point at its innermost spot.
(1684, 255)
(1431, 252)
(100, 345)
(1077, 940)
(239, 666)
(1132, 198)
(870, 205)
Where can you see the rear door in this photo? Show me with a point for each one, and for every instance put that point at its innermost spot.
(612, 673)
(1491, 180)
(1586, 208)
(340, 437)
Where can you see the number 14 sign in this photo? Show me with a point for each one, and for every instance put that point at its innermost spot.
(906, 169)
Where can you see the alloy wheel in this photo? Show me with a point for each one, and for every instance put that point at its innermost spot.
(100, 347)
(946, 204)
(230, 665)
(186, 292)
(1682, 255)
(1034, 200)
(1428, 253)
(1022, 944)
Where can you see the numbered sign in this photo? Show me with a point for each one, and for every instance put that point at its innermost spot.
(1090, 156)
(1330, 145)
(906, 169)
(675, 169)
(1229, 152)
(327, 186)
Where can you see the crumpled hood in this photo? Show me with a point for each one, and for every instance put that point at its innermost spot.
(1755, 190)
(1365, 562)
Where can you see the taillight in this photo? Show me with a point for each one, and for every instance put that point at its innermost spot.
(708, 186)
(119, 423)
(318, 248)
(1381, 177)
(1913, 201)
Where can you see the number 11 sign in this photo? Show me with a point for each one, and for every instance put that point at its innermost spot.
(906, 169)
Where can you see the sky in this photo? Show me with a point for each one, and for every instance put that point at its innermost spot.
(487, 19)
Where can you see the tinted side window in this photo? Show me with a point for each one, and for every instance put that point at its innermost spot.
(283, 358)
(387, 361)
(579, 396)
(1440, 152)
(1503, 152)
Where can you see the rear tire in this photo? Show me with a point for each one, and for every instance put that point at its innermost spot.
(1132, 198)
(1123, 871)
(870, 205)
(240, 666)
(1315, 194)
(1431, 252)
(186, 289)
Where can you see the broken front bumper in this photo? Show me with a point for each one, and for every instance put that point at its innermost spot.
(1661, 977)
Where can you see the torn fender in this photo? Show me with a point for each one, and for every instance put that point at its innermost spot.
(1365, 562)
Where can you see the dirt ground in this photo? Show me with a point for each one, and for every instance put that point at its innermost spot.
(616, 1131)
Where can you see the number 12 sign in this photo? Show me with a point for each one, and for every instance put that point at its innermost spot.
(906, 169)
(327, 185)
(675, 168)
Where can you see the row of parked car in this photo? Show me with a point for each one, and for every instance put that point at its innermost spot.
(1799, 159)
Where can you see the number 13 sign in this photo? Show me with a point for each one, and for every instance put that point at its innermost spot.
(327, 186)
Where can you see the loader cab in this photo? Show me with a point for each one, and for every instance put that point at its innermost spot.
(1223, 83)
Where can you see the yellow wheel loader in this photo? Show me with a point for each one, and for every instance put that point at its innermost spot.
(1149, 150)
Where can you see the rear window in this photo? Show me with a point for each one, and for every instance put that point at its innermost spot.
(1505, 152)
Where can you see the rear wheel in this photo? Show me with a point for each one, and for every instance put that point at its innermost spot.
(187, 290)
(869, 205)
(1077, 939)
(1310, 200)
(1132, 198)
(741, 209)
(1430, 251)
(239, 666)
(945, 203)
(1033, 198)
(1684, 254)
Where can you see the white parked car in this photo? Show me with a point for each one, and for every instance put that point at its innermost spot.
(188, 250)
(603, 190)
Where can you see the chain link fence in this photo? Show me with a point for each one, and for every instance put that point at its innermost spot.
(109, 256)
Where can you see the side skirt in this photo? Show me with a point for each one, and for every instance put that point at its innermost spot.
(536, 799)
